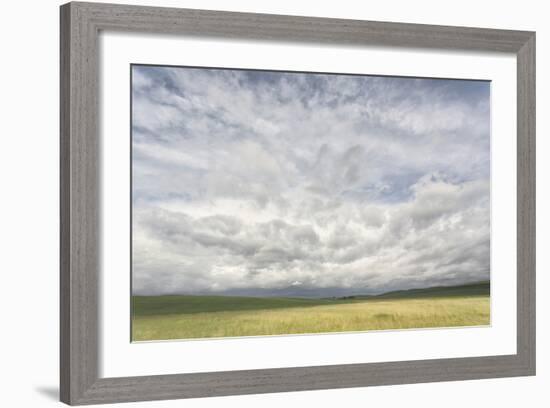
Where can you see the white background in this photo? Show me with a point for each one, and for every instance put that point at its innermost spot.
(29, 203)
(121, 358)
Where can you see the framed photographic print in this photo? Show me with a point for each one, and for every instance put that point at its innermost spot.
(242, 192)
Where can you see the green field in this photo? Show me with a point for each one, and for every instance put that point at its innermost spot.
(184, 317)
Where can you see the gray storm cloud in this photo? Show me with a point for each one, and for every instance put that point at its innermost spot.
(259, 182)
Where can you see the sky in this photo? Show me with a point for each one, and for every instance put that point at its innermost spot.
(266, 183)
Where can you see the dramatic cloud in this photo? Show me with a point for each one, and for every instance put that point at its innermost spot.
(251, 182)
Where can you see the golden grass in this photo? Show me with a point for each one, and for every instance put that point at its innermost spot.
(360, 315)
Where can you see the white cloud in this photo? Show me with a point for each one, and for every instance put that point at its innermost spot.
(258, 181)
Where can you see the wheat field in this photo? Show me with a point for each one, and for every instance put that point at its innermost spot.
(186, 317)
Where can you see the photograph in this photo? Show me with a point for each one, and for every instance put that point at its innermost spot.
(278, 200)
(271, 202)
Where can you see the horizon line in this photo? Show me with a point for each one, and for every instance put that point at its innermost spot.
(323, 297)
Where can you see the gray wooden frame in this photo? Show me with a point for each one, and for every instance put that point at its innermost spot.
(80, 158)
